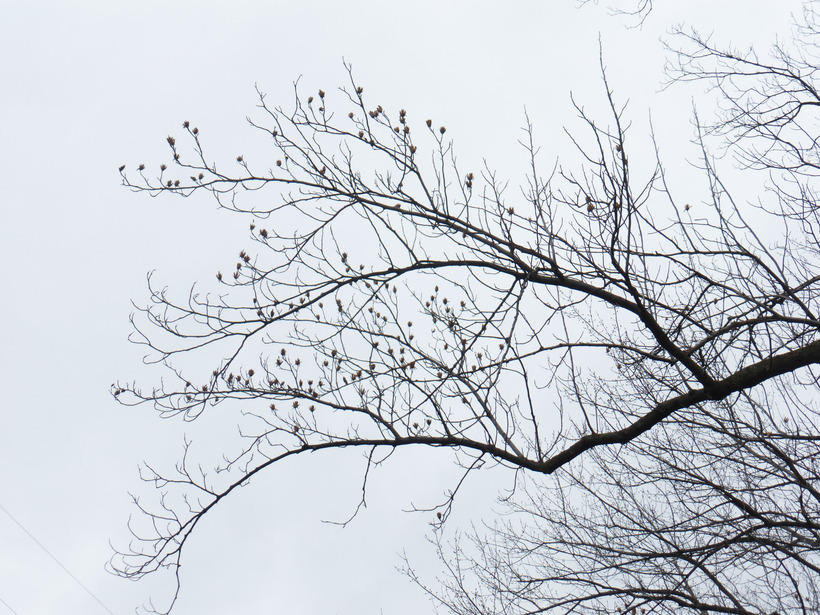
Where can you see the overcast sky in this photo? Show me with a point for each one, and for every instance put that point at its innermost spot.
(87, 86)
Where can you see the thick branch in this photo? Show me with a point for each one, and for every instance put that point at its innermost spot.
(743, 379)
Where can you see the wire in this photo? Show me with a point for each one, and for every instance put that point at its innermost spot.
(68, 572)
(5, 604)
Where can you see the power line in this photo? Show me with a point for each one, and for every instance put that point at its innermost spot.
(68, 572)
(5, 604)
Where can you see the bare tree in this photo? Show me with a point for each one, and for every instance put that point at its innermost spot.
(717, 509)
(714, 511)
(644, 351)
(639, 9)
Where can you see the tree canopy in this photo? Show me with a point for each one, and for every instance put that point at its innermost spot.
(647, 366)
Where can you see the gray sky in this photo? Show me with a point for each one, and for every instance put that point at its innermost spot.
(87, 86)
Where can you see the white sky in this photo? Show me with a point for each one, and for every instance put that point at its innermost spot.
(86, 86)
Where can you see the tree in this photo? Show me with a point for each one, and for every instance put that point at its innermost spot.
(715, 510)
(656, 359)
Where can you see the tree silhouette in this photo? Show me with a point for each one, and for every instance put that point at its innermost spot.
(656, 357)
